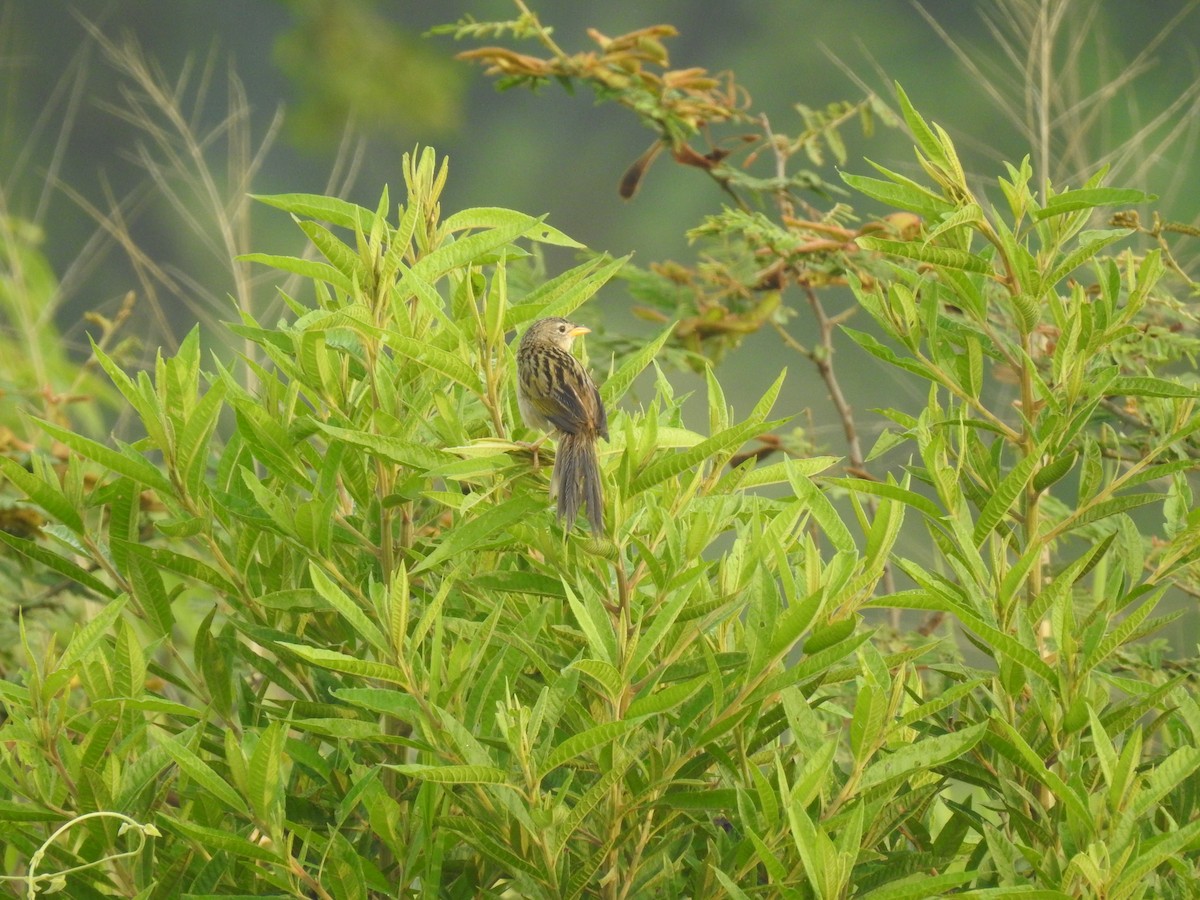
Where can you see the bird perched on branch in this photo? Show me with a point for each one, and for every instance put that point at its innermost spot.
(557, 395)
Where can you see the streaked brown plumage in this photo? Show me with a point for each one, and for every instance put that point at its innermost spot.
(557, 395)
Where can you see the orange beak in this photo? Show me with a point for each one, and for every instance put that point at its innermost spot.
(578, 330)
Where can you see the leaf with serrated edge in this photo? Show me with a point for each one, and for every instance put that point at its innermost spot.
(578, 744)
(1004, 496)
(60, 564)
(204, 775)
(493, 217)
(347, 608)
(316, 206)
(451, 774)
(924, 754)
(350, 665)
(136, 467)
(603, 673)
(49, 496)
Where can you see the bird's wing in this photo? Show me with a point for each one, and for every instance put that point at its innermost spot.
(601, 413)
(563, 392)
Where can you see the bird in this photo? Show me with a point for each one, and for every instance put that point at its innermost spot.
(555, 394)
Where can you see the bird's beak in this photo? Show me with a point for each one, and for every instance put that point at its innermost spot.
(578, 330)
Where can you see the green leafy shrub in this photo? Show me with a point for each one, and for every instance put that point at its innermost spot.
(342, 649)
(1088, 774)
(347, 650)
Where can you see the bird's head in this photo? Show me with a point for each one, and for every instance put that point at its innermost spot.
(557, 331)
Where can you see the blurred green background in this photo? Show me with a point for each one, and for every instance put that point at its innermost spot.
(327, 62)
(356, 81)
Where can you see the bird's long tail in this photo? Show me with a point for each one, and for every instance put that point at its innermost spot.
(576, 479)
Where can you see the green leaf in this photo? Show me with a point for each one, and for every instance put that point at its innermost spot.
(193, 445)
(925, 138)
(312, 269)
(942, 700)
(451, 774)
(87, 636)
(866, 725)
(924, 754)
(1006, 739)
(182, 565)
(900, 192)
(520, 583)
(340, 255)
(1084, 252)
(565, 293)
(1089, 198)
(1001, 644)
(441, 361)
(155, 705)
(59, 564)
(595, 624)
(710, 799)
(128, 463)
(1148, 386)
(942, 257)
(151, 595)
(881, 351)
(327, 209)
(815, 665)
(817, 852)
(673, 464)
(1002, 499)
(204, 775)
(816, 773)
(347, 608)
(616, 384)
(892, 492)
(1153, 853)
(603, 673)
(1122, 633)
(220, 839)
(141, 396)
(470, 533)
(1093, 512)
(583, 807)
(659, 627)
(967, 215)
(398, 704)
(1167, 775)
(431, 303)
(457, 254)
(1049, 474)
(668, 698)
(496, 217)
(727, 441)
(822, 509)
(728, 884)
(27, 812)
(583, 742)
(923, 886)
(497, 852)
(397, 450)
(349, 665)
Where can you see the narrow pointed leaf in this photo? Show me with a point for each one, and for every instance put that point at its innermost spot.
(584, 742)
(131, 465)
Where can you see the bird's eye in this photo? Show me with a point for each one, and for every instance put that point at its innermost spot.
(562, 328)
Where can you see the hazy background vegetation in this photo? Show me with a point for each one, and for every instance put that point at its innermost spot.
(316, 59)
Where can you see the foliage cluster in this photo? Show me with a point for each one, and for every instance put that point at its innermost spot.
(338, 646)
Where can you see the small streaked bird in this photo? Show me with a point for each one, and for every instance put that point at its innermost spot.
(557, 395)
